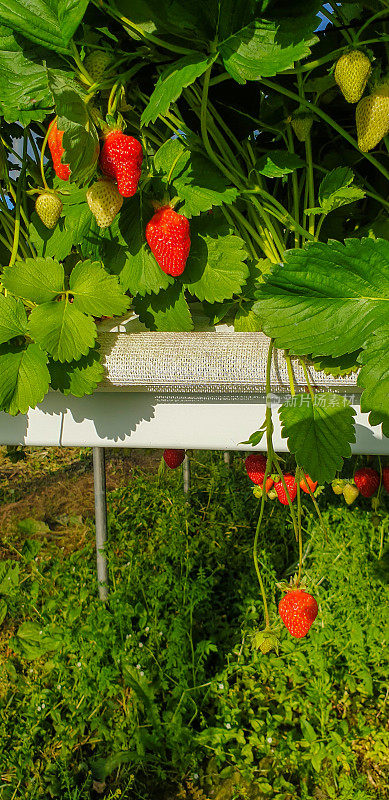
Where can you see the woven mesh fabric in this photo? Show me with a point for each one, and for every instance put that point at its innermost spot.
(214, 362)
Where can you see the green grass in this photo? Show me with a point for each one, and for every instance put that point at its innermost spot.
(160, 694)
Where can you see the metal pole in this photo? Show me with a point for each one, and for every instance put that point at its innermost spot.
(100, 519)
(186, 475)
(227, 458)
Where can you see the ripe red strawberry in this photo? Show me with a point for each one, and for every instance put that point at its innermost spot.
(121, 158)
(255, 465)
(298, 610)
(367, 480)
(173, 458)
(291, 486)
(168, 235)
(385, 477)
(55, 145)
(307, 480)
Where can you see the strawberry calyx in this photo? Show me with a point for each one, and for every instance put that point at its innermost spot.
(265, 640)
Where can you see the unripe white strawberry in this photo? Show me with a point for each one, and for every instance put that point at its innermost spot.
(96, 63)
(351, 73)
(372, 117)
(48, 206)
(104, 201)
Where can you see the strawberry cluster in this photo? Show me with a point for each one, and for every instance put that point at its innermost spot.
(121, 157)
(366, 482)
(285, 490)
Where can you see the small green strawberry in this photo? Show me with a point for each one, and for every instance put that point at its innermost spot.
(96, 64)
(104, 201)
(302, 124)
(48, 207)
(350, 493)
(265, 641)
(351, 73)
(372, 117)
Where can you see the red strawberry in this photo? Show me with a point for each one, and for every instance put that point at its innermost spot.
(55, 145)
(255, 465)
(292, 489)
(307, 481)
(173, 458)
(367, 480)
(121, 158)
(168, 235)
(385, 478)
(298, 610)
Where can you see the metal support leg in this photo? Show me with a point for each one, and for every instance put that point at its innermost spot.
(186, 475)
(100, 519)
(227, 458)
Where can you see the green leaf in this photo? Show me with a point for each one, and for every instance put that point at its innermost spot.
(3, 611)
(127, 254)
(35, 639)
(56, 243)
(9, 577)
(171, 83)
(35, 279)
(77, 377)
(374, 378)
(326, 299)
(50, 23)
(319, 433)
(308, 731)
(277, 163)
(62, 330)
(95, 291)
(264, 48)
(339, 366)
(24, 377)
(80, 140)
(335, 191)
(13, 318)
(171, 158)
(24, 86)
(246, 319)
(216, 268)
(166, 311)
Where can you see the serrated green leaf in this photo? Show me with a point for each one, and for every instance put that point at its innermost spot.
(326, 299)
(35, 279)
(9, 576)
(24, 377)
(171, 158)
(171, 83)
(319, 433)
(216, 268)
(336, 179)
(62, 330)
(13, 318)
(339, 366)
(77, 378)
(246, 319)
(166, 311)
(80, 140)
(24, 86)
(96, 292)
(127, 254)
(264, 48)
(50, 23)
(335, 191)
(201, 186)
(56, 243)
(374, 378)
(277, 163)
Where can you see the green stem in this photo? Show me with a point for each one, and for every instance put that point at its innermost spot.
(18, 199)
(295, 189)
(290, 374)
(311, 185)
(300, 538)
(319, 224)
(43, 151)
(369, 21)
(306, 376)
(316, 110)
(85, 74)
(137, 29)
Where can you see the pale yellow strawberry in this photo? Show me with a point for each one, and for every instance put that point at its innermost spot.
(350, 493)
(351, 73)
(372, 117)
(48, 206)
(104, 202)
